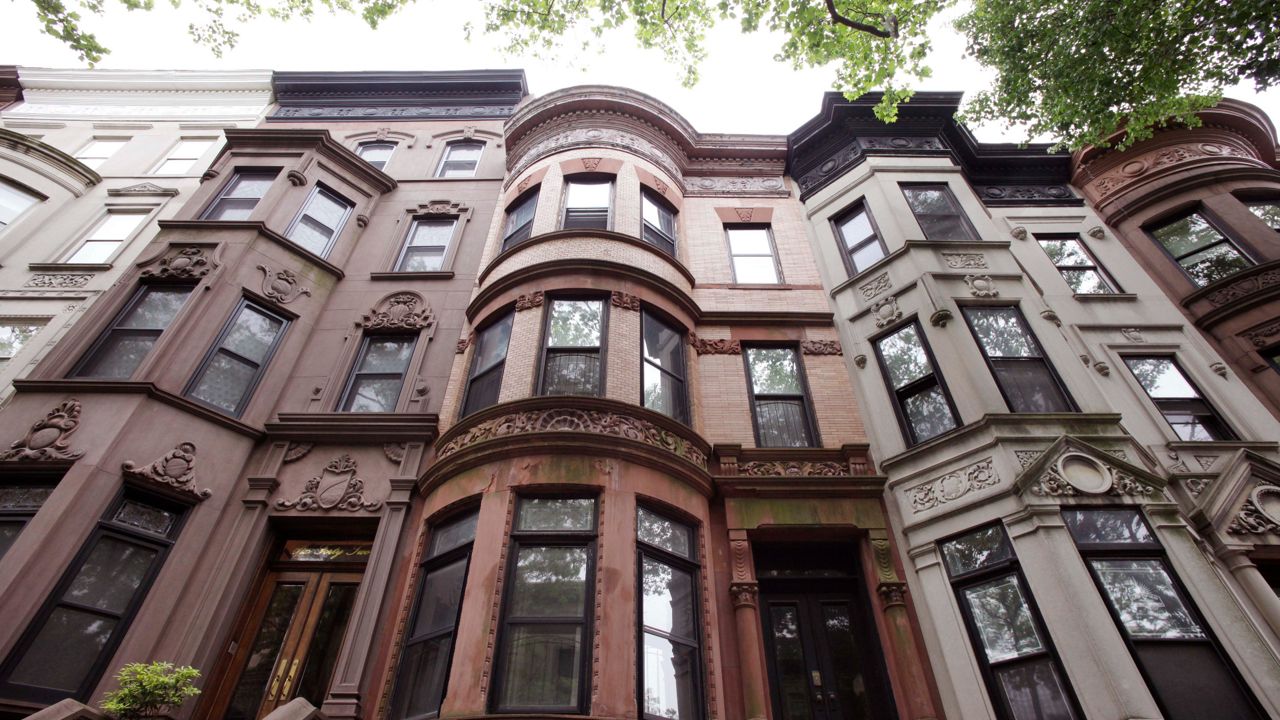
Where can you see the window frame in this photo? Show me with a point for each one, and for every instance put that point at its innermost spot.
(1113, 287)
(320, 188)
(589, 179)
(213, 141)
(364, 144)
(965, 222)
(446, 255)
(846, 252)
(646, 227)
(1044, 357)
(247, 396)
(544, 349)
(532, 195)
(22, 515)
(263, 172)
(773, 252)
(810, 415)
(508, 315)
(12, 321)
(105, 333)
(79, 154)
(1211, 220)
(915, 387)
(444, 159)
(20, 189)
(1173, 358)
(682, 415)
(353, 374)
(85, 237)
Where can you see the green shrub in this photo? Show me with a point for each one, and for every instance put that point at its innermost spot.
(147, 690)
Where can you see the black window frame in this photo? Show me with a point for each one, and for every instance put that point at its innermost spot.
(545, 350)
(78, 370)
(1271, 355)
(20, 515)
(474, 373)
(682, 406)
(965, 222)
(1210, 220)
(806, 398)
(773, 253)
(592, 212)
(264, 172)
(847, 252)
(1007, 567)
(406, 246)
(652, 234)
(515, 236)
(915, 387)
(319, 189)
(1160, 403)
(1108, 280)
(106, 526)
(690, 565)
(213, 350)
(354, 373)
(1042, 359)
(362, 146)
(587, 539)
(439, 174)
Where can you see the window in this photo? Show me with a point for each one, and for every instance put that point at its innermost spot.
(14, 334)
(65, 650)
(662, 368)
(99, 150)
(121, 348)
(1021, 668)
(1183, 665)
(921, 400)
(182, 158)
(378, 375)
(751, 251)
(860, 244)
(938, 213)
(546, 630)
(320, 221)
(670, 653)
(778, 398)
(1206, 255)
(376, 153)
(460, 160)
(1027, 381)
(19, 502)
(484, 382)
(105, 238)
(571, 362)
(13, 202)
(1076, 265)
(238, 359)
(587, 203)
(1177, 398)
(659, 222)
(1268, 212)
(240, 196)
(428, 647)
(1272, 356)
(520, 220)
(425, 247)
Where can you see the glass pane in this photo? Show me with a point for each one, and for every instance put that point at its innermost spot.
(434, 233)
(1161, 377)
(117, 226)
(1031, 386)
(570, 373)
(1000, 332)
(311, 235)
(175, 166)
(1086, 282)
(1143, 595)
(24, 497)
(866, 255)
(387, 354)
(266, 649)
(782, 423)
(521, 213)
(441, 595)
(1067, 253)
(789, 663)
(550, 582)
(424, 259)
(252, 334)
(465, 151)
(373, 394)
(491, 345)
(977, 549)
(249, 185)
(191, 149)
(669, 599)
(588, 195)
(483, 391)
(662, 392)
(755, 270)
(13, 337)
(904, 356)
(663, 346)
(455, 533)
(928, 414)
(1193, 683)
(556, 514)
(929, 200)
(9, 531)
(749, 241)
(1268, 212)
(667, 534)
(1090, 526)
(855, 228)
(64, 651)
(949, 228)
(424, 668)
(1190, 233)
(542, 666)
(1033, 691)
(1214, 264)
(12, 202)
(1003, 619)
(148, 518)
(849, 684)
(575, 323)
(670, 672)
(156, 309)
(326, 639)
(774, 371)
(118, 356)
(376, 154)
(232, 209)
(94, 252)
(110, 575)
(1195, 427)
(224, 382)
(657, 215)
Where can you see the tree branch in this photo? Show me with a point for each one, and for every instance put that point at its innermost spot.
(839, 19)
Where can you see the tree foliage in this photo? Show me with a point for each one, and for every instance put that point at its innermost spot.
(147, 690)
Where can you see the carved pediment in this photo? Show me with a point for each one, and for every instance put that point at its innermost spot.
(399, 311)
(49, 437)
(180, 262)
(1071, 467)
(337, 487)
(1244, 500)
(142, 189)
(177, 470)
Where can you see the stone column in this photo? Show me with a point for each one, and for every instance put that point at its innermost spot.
(1254, 585)
(745, 592)
(904, 655)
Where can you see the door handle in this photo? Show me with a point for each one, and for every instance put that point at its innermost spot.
(275, 681)
(288, 681)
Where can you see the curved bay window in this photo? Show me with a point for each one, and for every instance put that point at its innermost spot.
(122, 347)
(780, 405)
(670, 653)
(1026, 379)
(588, 202)
(519, 225)
(658, 222)
(484, 381)
(662, 381)
(573, 352)
(920, 398)
(860, 244)
(1204, 254)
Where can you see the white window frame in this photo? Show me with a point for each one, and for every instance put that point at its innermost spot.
(144, 213)
(169, 156)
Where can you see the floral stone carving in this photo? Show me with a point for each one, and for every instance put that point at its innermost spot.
(177, 469)
(281, 285)
(399, 311)
(781, 468)
(722, 346)
(875, 286)
(886, 311)
(624, 301)
(1075, 473)
(821, 347)
(953, 486)
(529, 301)
(49, 438)
(58, 280)
(184, 263)
(981, 286)
(961, 260)
(344, 491)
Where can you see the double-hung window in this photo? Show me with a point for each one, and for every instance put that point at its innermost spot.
(751, 251)
(99, 150)
(1177, 398)
(182, 158)
(860, 245)
(65, 650)
(19, 502)
(320, 221)
(780, 405)
(14, 335)
(105, 238)
(1268, 211)
(659, 222)
(1021, 668)
(1205, 255)
(572, 360)
(488, 360)
(519, 225)
(426, 245)
(376, 154)
(122, 347)
(378, 374)
(1183, 664)
(670, 653)
(237, 361)
(1027, 381)
(1076, 265)
(546, 617)
(460, 160)
(921, 400)
(662, 385)
(13, 202)
(938, 213)
(587, 204)
(423, 674)
(240, 195)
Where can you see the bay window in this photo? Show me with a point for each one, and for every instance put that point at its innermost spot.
(1025, 377)
(572, 358)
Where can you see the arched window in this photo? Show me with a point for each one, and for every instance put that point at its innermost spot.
(376, 153)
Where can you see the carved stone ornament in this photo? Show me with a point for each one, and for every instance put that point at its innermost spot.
(1133, 334)
(1245, 287)
(1052, 317)
(49, 437)
(953, 486)
(821, 347)
(1026, 457)
(177, 469)
(442, 207)
(624, 301)
(1261, 335)
(399, 311)
(1075, 473)
(208, 175)
(744, 595)
(58, 280)
(465, 343)
(860, 361)
(595, 422)
(590, 164)
(1019, 233)
(394, 451)
(1260, 514)
(744, 214)
(524, 185)
(144, 188)
(1195, 486)
(875, 286)
(981, 286)
(296, 178)
(281, 285)
(1219, 368)
(1097, 233)
(886, 312)
(721, 346)
(529, 301)
(885, 571)
(362, 220)
(344, 492)
(941, 317)
(1161, 158)
(963, 260)
(296, 451)
(181, 263)
(1102, 368)
(892, 594)
(900, 142)
(793, 468)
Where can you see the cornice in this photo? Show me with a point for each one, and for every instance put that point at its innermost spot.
(319, 140)
(374, 428)
(256, 82)
(74, 170)
(10, 87)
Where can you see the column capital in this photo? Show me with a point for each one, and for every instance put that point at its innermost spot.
(745, 594)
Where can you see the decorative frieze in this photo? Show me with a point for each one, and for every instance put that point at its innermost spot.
(58, 280)
(281, 285)
(900, 142)
(719, 346)
(529, 301)
(1155, 160)
(345, 491)
(875, 286)
(1019, 194)
(399, 311)
(821, 347)
(49, 438)
(953, 486)
(624, 301)
(1261, 336)
(793, 468)
(391, 112)
(964, 260)
(177, 470)
(181, 263)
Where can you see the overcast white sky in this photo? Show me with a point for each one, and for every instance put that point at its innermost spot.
(428, 36)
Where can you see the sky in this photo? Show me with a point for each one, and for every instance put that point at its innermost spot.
(742, 89)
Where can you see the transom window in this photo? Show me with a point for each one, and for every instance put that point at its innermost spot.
(426, 245)
(460, 160)
(105, 238)
(659, 222)
(1076, 265)
(320, 221)
(99, 150)
(1177, 398)
(923, 405)
(13, 202)
(1026, 379)
(519, 225)
(1206, 255)
(240, 195)
(376, 153)
(571, 362)
(19, 502)
(123, 346)
(488, 360)
(587, 204)
(670, 650)
(663, 368)
(1267, 211)
(182, 158)
(938, 213)
(861, 246)
(751, 251)
(378, 374)
(780, 403)
(238, 359)
(14, 335)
